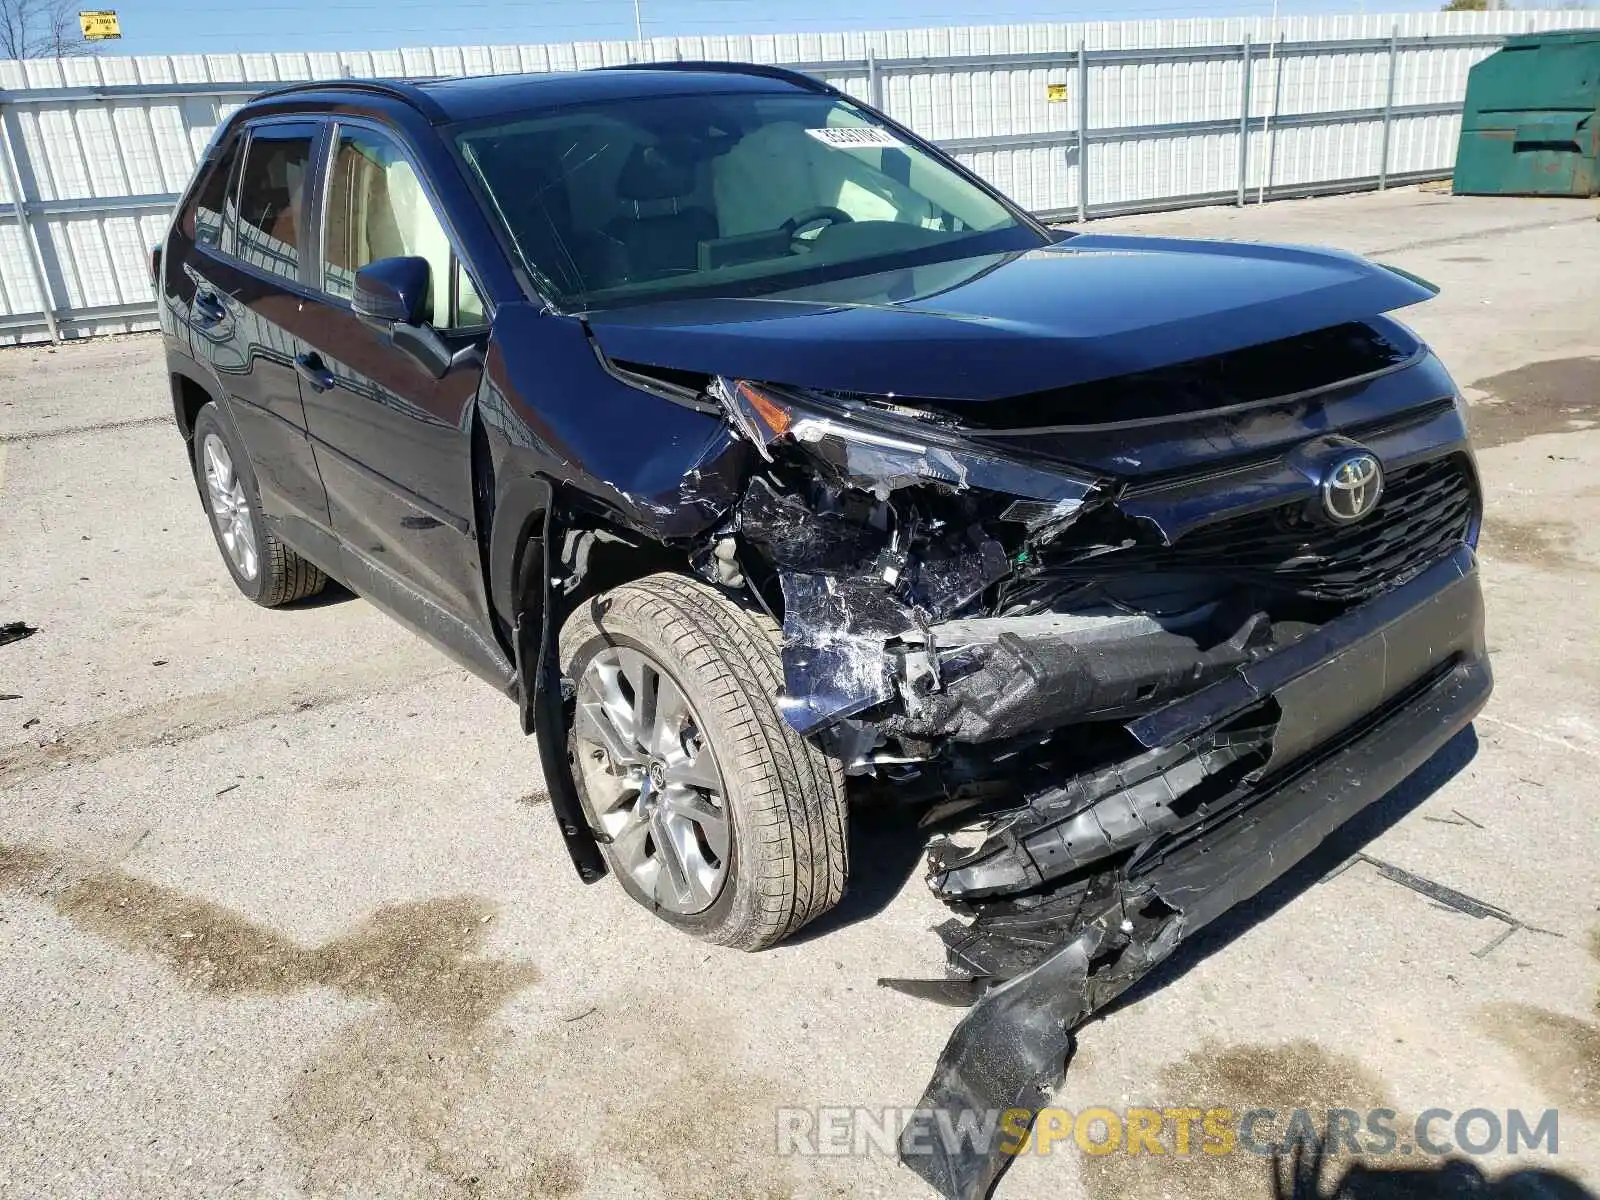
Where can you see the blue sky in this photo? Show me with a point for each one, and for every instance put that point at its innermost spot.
(194, 26)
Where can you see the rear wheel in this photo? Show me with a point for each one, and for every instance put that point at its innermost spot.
(264, 569)
(713, 813)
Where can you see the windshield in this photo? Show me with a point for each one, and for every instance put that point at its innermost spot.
(723, 195)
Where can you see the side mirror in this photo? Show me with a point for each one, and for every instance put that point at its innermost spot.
(391, 295)
(391, 291)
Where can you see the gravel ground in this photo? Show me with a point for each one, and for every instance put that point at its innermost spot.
(282, 911)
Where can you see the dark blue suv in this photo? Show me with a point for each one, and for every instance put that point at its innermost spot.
(767, 457)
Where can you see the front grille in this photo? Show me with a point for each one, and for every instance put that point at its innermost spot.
(1426, 508)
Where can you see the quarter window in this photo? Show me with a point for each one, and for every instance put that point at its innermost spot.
(213, 207)
(272, 200)
(469, 305)
(377, 208)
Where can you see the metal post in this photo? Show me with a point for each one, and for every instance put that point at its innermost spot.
(874, 81)
(1244, 121)
(1388, 105)
(1271, 127)
(1083, 132)
(30, 236)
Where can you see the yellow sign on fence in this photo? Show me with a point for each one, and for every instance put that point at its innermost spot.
(100, 25)
(1056, 93)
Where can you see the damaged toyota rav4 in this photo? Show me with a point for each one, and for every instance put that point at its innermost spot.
(769, 459)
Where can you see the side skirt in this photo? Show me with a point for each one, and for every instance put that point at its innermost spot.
(400, 600)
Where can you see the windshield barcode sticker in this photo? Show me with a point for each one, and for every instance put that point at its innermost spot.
(856, 137)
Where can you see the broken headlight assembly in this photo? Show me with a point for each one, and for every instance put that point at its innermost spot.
(881, 447)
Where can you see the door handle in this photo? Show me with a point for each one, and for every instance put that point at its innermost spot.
(314, 371)
(208, 309)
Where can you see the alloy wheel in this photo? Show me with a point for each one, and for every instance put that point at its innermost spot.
(230, 510)
(654, 786)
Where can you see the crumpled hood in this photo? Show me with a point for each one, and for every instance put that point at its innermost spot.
(1091, 307)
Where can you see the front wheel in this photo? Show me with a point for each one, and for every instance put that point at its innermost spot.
(712, 811)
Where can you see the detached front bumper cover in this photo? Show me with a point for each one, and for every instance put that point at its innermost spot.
(1375, 694)
(1148, 703)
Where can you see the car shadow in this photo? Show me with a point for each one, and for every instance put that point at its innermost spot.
(1300, 1177)
(1348, 839)
(886, 849)
(333, 592)
(1448, 1181)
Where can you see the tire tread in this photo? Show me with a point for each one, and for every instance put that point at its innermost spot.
(793, 794)
(289, 577)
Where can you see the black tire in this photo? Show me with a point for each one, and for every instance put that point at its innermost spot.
(786, 799)
(281, 576)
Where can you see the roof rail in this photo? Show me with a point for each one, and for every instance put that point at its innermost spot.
(403, 90)
(798, 78)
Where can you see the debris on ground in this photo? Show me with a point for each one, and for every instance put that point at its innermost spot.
(15, 631)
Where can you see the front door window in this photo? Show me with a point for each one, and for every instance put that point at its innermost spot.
(377, 208)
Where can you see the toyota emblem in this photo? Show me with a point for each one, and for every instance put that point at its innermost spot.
(1352, 486)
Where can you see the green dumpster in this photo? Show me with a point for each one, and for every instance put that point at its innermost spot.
(1531, 126)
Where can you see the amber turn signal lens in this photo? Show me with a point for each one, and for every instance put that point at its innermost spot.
(777, 418)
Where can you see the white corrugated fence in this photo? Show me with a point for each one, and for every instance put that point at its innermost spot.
(1073, 121)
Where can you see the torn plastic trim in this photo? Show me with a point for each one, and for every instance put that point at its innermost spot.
(854, 641)
(837, 630)
(543, 704)
(1367, 640)
(796, 536)
(1091, 817)
(851, 643)
(656, 384)
(986, 678)
(834, 631)
(1012, 1047)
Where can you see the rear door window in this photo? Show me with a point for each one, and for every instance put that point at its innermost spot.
(272, 198)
